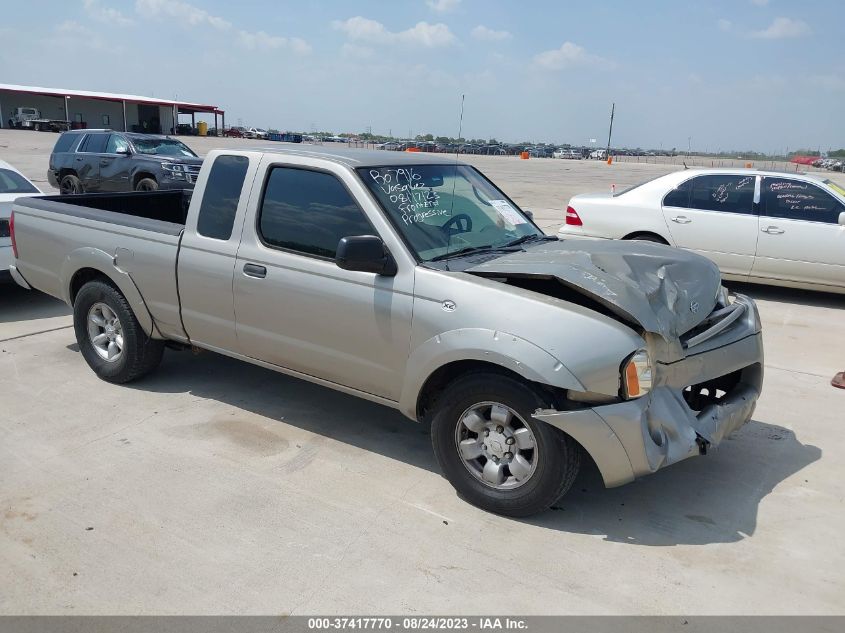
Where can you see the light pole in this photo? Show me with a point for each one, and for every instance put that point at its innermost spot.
(689, 146)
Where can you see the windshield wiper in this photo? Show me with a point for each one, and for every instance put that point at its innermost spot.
(468, 250)
(528, 238)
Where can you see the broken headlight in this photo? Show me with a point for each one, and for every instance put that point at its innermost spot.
(636, 375)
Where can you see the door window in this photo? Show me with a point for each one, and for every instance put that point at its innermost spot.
(679, 196)
(220, 198)
(94, 143)
(799, 200)
(116, 143)
(308, 212)
(728, 193)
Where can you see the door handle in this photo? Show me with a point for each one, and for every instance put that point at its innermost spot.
(79, 159)
(254, 270)
(772, 230)
(681, 219)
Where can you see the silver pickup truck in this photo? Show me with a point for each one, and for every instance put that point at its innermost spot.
(414, 282)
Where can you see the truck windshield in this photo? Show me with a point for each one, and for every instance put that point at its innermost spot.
(441, 209)
(13, 182)
(162, 147)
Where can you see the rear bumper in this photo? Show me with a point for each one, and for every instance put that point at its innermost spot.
(17, 277)
(638, 437)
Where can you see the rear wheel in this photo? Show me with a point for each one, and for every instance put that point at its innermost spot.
(647, 237)
(494, 453)
(146, 184)
(70, 184)
(109, 336)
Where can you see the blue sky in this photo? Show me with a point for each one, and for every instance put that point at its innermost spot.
(739, 74)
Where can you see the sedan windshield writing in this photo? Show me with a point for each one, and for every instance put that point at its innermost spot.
(444, 209)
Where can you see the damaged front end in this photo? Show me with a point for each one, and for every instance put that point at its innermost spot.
(704, 351)
(694, 402)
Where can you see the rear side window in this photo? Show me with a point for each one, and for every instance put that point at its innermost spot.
(94, 143)
(221, 196)
(308, 212)
(65, 142)
(727, 193)
(798, 200)
(679, 196)
(13, 182)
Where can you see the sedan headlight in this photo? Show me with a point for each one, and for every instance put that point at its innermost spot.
(636, 375)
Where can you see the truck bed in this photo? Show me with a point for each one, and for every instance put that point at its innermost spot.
(133, 238)
(165, 206)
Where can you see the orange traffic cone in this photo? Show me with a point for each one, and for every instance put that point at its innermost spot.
(839, 380)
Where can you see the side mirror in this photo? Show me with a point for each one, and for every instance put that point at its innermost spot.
(842, 218)
(122, 150)
(530, 214)
(365, 253)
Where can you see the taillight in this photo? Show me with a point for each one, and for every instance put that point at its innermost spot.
(572, 218)
(12, 234)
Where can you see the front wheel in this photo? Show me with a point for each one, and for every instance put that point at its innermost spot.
(109, 336)
(494, 453)
(146, 184)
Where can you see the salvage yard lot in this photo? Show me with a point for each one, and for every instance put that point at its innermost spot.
(218, 487)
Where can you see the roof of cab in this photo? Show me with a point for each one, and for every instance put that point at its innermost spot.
(362, 157)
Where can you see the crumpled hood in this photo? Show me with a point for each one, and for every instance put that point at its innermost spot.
(666, 290)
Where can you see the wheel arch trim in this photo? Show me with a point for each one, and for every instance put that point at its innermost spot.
(488, 346)
(94, 259)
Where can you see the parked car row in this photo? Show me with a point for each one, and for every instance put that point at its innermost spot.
(833, 164)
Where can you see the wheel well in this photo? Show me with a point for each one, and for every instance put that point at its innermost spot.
(141, 175)
(66, 172)
(442, 376)
(634, 236)
(82, 277)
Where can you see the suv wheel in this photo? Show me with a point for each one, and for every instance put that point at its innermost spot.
(70, 184)
(494, 453)
(109, 336)
(146, 184)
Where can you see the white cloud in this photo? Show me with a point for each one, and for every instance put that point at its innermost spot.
(354, 50)
(443, 6)
(567, 56)
(725, 25)
(372, 32)
(760, 3)
(265, 42)
(782, 28)
(833, 83)
(481, 32)
(186, 13)
(105, 14)
(182, 11)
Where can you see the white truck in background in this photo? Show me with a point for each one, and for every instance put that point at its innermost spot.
(31, 119)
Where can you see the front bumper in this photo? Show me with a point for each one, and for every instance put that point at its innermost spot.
(638, 437)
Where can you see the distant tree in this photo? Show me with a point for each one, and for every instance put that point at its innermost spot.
(805, 152)
(837, 153)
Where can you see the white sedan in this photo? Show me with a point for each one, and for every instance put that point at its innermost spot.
(13, 184)
(760, 226)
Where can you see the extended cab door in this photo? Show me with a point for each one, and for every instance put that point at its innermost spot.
(209, 247)
(86, 162)
(801, 239)
(295, 307)
(714, 215)
(116, 165)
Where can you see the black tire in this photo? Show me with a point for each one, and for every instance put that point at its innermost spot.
(70, 184)
(146, 184)
(648, 237)
(140, 354)
(558, 456)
